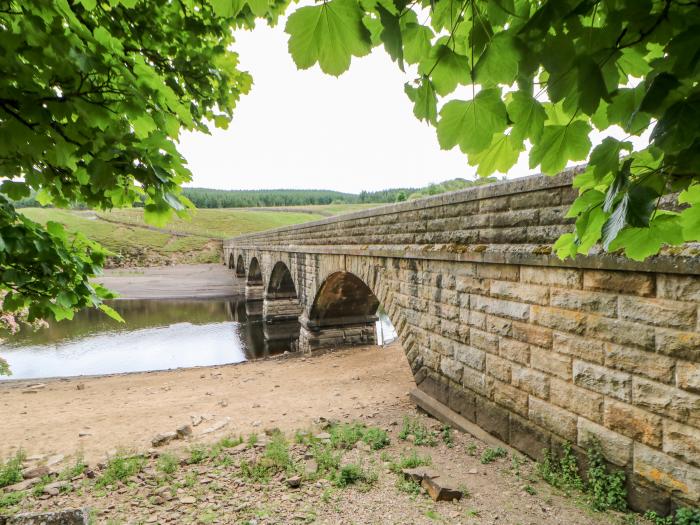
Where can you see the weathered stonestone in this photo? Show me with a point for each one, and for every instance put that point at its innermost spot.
(498, 367)
(584, 348)
(633, 422)
(514, 350)
(555, 419)
(463, 402)
(667, 472)
(601, 303)
(442, 488)
(472, 357)
(576, 399)
(550, 362)
(451, 368)
(510, 397)
(681, 441)
(674, 343)
(528, 293)
(666, 400)
(616, 448)
(678, 287)
(561, 277)
(531, 381)
(500, 307)
(492, 418)
(620, 332)
(528, 437)
(533, 334)
(658, 312)
(688, 376)
(639, 362)
(478, 382)
(483, 340)
(603, 380)
(619, 282)
(558, 319)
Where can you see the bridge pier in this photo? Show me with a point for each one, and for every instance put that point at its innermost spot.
(281, 309)
(254, 292)
(336, 333)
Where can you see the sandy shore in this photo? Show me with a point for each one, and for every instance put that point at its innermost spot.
(128, 410)
(172, 282)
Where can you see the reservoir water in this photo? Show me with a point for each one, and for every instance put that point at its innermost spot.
(157, 335)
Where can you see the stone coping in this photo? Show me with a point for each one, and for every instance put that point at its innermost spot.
(496, 189)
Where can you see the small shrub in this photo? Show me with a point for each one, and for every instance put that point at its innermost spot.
(352, 474)
(11, 471)
(255, 472)
(421, 434)
(471, 449)
(492, 454)
(327, 459)
(74, 470)
(658, 520)
(687, 516)
(376, 438)
(119, 469)
(561, 473)
(167, 463)
(276, 454)
(229, 442)
(346, 435)
(529, 490)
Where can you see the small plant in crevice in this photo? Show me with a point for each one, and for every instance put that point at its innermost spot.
(492, 454)
(422, 435)
(607, 489)
(407, 486)
(563, 472)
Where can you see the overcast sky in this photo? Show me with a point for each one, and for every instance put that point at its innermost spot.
(306, 129)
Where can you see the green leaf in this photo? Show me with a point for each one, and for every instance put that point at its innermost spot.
(15, 190)
(143, 126)
(585, 202)
(424, 100)
(501, 155)
(111, 312)
(560, 144)
(499, 63)
(416, 42)
(446, 69)
(391, 35)
(605, 157)
(591, 85)
(328, 34)
(640, 243)
(527, 115)
(471, 124)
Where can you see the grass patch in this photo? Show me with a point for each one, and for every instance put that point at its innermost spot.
(11, 470)
(11, 499)
(346, 435)
(407, 486)
(120, 468)
(421, 434)
(492, 454)
(354, 474)
(413, 460)
(198, 453)
(167, 463)
(447, 436)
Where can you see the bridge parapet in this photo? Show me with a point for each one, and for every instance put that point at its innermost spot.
(535, 350)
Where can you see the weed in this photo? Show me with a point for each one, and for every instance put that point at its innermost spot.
(471, 449)
(198, 453)
(352, 474)
(433, 515)
(515, 462)
(120, 468)
(472, 513)
(607, 490)
(11, 499)
(658, 520)
(345, 435)
(408, 486)
(687, 516)
(530, 490)
(276, 454)
(208, 516)
(561, 473)
(447, 437)
(75, 470)
(11, 471)
(327, 495)
(167, 463)
(413, 460)
(256, 472)
(421, 434)
(252, 440)
(301, 437)
(492, 454)
(229, 442)
(327, 459)
(376, 438)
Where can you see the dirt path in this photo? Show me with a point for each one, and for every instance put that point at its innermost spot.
(128, 410)
(172, 282)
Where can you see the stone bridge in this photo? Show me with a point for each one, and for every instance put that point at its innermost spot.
(534, 350)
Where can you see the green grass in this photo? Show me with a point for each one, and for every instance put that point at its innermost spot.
(11, 471)
(124, 231)
(120, 468)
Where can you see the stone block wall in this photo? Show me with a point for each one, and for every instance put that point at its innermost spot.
(535, 350)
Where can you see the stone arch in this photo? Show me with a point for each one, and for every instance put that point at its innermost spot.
(230, 262)
(281, 285)
(254, 273)
(240, 267)
(343, 298)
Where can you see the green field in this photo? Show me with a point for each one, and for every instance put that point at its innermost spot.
(193, 240)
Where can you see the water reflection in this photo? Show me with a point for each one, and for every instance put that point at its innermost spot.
(157, 335)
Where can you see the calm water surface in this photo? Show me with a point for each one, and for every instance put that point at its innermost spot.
(157, 335)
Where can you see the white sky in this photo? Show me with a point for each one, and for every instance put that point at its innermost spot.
(306, 129)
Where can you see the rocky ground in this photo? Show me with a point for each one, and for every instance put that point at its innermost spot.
(327, 473)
